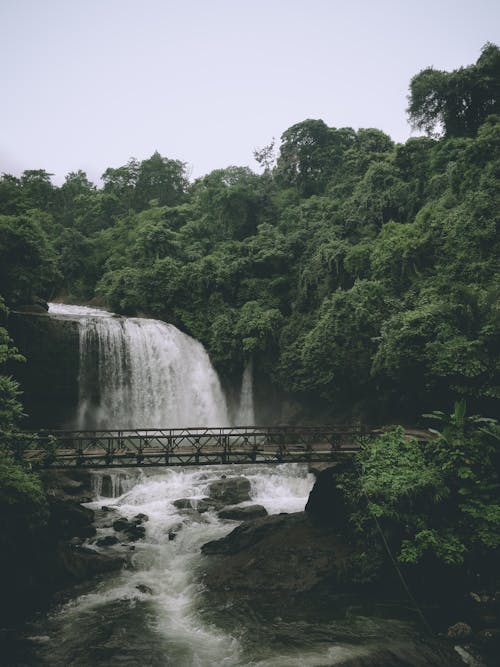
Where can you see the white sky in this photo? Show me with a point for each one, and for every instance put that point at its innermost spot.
(86, 84)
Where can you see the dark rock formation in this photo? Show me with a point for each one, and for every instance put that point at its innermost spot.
(107, 541)
(242, 513)
(183, 504)
(291, 553)
(132, 530)
(326, 502)
(74, 485)
(50, 380)
(69, 519)
(230, 490)
(81, 564)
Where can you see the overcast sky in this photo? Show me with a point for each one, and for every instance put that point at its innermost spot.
(86, 84)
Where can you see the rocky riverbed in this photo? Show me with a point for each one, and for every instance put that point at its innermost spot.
(289, 584)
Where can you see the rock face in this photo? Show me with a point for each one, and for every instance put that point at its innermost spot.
(73, 486)
(230, 490)
(289, 552)
(132, 530)
(50, 380)
(242, 513)
(326, 502)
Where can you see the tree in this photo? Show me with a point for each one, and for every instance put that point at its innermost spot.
(456, 102)
(27, 259)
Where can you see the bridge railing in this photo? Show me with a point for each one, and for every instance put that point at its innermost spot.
(184, 446)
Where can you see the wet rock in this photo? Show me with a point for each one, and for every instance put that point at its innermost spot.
(142, 588)
(107, 541)
(76, 542)
(131, 529)
(459, 630)
(183, 504)
(230, 490)
(68, 485)
(242, 513)
(489, 639)
(70, 519)
(122, 524)
(110, 487)
(84, 563)
(171, 536)
(135, 533)
(326, 502)
(140, 518)
(290, 553)
(205, 505)
(107, 508)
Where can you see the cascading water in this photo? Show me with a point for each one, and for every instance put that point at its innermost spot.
(142, 373)
(246, 412)
(145, 373)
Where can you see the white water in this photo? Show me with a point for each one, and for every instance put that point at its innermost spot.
(168, 567)
(246, 411)
(142, 373)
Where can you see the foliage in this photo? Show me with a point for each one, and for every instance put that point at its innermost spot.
(353, 269)
(459, 101)
(22, 499)
(437, 500)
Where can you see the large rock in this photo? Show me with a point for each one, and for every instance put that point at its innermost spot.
(291, 553)
(230, 490)
(132, 530)
(70, 519)
(68, 484)
(80, 564)
(326, 501)
(242, 513)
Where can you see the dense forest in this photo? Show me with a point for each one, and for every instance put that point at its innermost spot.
(355, 271)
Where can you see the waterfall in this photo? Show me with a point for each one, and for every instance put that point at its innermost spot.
(142, 373)
(246, 413)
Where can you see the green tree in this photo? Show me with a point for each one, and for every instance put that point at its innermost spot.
(457, 102)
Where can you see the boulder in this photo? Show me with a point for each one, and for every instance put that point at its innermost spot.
(459, 630)
(290, 553)
(68, 485)
(326, 501)
(206, 504)
(131, 529)
(230, 490)
(183, 504)
(242, 513)
(70, 519)
(107, 541)
(142, 588)
(80, 564)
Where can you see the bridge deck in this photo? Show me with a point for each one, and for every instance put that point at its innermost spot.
(184, 447)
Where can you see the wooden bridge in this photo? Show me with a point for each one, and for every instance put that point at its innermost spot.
(184, 447)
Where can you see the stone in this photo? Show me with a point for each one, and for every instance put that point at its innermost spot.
(140, 518)
(84, 563)
(230, 490)
(242, 513)
(289, 553)
(132, 529)
(326, 502)
(459, 630)
(183, 504)
(107, 541)
(142, 588)
(205, 505)
(122, 524)
(135, 533)
(69, 519)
